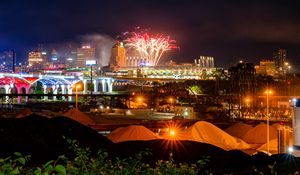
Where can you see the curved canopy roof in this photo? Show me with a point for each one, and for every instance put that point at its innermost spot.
(12, 80)
(54, 81)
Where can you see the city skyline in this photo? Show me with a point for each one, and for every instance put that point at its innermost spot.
(228, 31)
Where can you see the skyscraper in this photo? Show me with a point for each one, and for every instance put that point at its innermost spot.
(54, 56)
(7, 61)
(279, 57)
(85, 53)
(35, 57)
(118, 55)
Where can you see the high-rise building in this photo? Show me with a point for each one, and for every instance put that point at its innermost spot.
(279, 57)
(85, 53)
(205, 61)
(35, 57)
(7, 61)
(69, 55)
(266, 67)
(118, 55)
(54, 56)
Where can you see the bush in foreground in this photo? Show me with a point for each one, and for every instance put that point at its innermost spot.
(85, 163)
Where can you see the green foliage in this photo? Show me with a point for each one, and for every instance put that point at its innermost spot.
(13, 165)
(85, 163)
(195, 90)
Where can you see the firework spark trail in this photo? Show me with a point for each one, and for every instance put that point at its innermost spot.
(150, 47)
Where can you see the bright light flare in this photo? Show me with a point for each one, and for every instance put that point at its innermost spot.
(139, 99)
(150, 47)
(290, 149)
(268, 92)
(172, 132)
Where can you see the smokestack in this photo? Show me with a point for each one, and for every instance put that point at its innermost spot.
(14, 61)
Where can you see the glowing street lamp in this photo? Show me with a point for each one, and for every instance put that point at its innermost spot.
(268, 92)
(247, 100)
(76, 89)
(140, 99)
(172, 133)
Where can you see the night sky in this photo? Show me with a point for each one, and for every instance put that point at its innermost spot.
(227, 30)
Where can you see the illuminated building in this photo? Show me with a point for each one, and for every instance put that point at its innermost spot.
(181, 71)
(137, 67)
(85, 53)
(205, 61)
(7, 61)
(35, 57)
(266, 68)
(54, 56)
(279, 57)
(70, 58)
(133, 59)
(118, 55)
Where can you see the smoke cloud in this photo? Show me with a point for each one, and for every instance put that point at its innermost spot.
(103, 45)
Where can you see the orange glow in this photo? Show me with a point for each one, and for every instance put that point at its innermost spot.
(268, 92)
(140, 99)
(172, 132)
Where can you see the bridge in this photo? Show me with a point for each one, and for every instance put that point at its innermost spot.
(52, 84)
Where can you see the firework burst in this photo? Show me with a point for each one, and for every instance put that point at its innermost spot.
(150, 47)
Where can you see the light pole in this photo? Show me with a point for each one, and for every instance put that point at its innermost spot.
(91, 63)
(268, 92)
(91, 80)
(76, 99)
(247, 102)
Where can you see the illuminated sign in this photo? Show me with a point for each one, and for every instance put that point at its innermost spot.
(90, 62)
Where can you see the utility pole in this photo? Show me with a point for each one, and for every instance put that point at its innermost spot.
(91, 80)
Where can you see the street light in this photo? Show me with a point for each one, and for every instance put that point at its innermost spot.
(171, 100)
(91, 63)
(268, 92)
(247, 102)
(76, 88)
(140, 99)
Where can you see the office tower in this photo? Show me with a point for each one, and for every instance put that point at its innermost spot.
(205, 62)
(54, 56)
(118, 55)
(85, 53)
(35, 57)
(279, 57)
(7, 61)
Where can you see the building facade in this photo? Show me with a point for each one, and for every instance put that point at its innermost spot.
(266, 68)
(280, 58)
(85, 53)
(118, 55)
(35, 57)
(7, 61)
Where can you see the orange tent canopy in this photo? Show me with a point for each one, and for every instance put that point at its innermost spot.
(79, 116)
(133, 132)
(238, 130)
(208, 133)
